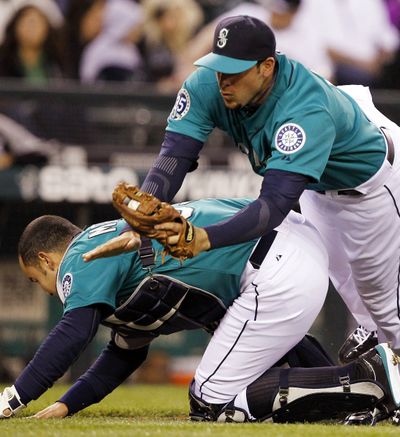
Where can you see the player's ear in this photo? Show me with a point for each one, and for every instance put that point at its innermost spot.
(46, 261)
(268, 66)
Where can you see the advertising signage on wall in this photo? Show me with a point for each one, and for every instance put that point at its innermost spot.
(94, 184)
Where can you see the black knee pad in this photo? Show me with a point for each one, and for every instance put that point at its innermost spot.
(307, 353)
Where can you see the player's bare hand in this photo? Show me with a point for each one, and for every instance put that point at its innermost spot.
(200, 241)
(56, 410)
(172, 229)
(126, 242)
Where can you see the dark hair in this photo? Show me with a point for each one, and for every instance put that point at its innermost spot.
(52, 48)
(49, 233)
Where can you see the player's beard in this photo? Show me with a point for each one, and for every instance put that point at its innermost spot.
(259, 96)
(254, 102)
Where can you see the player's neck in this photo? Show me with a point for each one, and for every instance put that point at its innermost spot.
(261, 95)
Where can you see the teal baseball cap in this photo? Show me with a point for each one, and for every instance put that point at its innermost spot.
(239, 43)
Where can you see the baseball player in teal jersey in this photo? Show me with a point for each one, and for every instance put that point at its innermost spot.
(326, 146)
(261, 299)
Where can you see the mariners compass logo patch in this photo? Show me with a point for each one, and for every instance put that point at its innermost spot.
(290, 138)
(66, 284)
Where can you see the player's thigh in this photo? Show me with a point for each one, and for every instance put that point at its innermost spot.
(371, 235)
(373, 245)
(275, 310)
(325, 215)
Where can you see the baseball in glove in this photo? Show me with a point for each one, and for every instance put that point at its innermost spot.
(143, 211)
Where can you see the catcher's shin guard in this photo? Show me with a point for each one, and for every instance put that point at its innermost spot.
(376, 383)
(308, 395)
(313, 407)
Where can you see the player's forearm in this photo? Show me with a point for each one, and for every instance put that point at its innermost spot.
(112, 367)
(250, 223)
(60, 349)
(279, 193)
(177, 157)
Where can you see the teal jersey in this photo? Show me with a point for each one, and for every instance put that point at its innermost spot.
(111, 280)
(306, 125)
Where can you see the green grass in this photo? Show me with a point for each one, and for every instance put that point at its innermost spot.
(147, 410)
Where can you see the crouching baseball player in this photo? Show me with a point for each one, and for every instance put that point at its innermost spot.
(263, 295)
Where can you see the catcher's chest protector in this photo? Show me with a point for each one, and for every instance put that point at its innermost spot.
(163, 305)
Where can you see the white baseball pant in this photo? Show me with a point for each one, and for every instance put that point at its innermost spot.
(276, 308)
(362, 236)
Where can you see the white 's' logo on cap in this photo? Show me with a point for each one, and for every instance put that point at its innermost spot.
(222, 38)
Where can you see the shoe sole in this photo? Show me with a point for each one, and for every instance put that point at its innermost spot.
(392, 370)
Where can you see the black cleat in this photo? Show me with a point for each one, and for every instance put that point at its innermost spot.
(359, 341)
(360, 418)
(368, 417)
(396, 418)
(383, 366)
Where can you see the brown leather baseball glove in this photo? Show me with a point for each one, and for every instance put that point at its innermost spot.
(142, 211)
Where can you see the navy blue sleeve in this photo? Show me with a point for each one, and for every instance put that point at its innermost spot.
(112, 367)
(178, 156)
(280, 192)
(59, 350)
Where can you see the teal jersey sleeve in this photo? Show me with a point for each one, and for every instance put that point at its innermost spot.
(81, 284)
(298, 145)
(195, 104)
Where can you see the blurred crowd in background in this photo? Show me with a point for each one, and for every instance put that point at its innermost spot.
(156, 41)
(152, 44)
